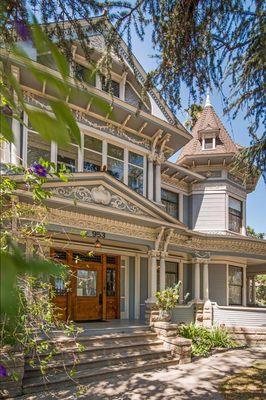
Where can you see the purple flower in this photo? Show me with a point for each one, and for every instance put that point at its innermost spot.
(22, 29)
(39, 170)
(3, 372)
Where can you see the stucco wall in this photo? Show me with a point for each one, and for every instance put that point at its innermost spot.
(217, 283)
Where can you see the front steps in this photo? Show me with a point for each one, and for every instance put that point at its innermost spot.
(101, 357)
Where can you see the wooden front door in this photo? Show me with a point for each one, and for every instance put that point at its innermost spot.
(87, 291)
(94, 287)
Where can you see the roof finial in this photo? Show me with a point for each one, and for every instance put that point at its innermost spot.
(208, 101)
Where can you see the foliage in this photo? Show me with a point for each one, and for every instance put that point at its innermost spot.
(193, 113)
(167, 299)
(205, 339)
(252, 233)
(34, 331)
(197, 43)
(260, 281)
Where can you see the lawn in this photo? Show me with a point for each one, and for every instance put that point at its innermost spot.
(247, 384)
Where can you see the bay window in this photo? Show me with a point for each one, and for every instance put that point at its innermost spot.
(115, 161)
(135, 171)
(235, 282)
(92, 154)
(170, 201)
(235, 215)
(68, 156)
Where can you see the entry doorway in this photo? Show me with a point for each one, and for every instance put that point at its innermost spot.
(94, 286)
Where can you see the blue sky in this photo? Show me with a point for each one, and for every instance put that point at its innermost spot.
(237, 128)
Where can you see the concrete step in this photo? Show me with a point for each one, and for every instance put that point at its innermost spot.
(90, 363)
(66, 342)
(61, 381)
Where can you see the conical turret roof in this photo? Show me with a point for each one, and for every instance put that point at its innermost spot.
(208, 123)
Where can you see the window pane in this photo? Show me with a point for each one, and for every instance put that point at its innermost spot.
(135, 159)
(208, 144)
(122, 282)
(93, 143)
(69, 157)
(110, 282)
(92, 161)
(112, 87)
(115, 168)
(86, 283)
(170, 280)
(235, 275)
(115, 151)
(85, 75)
(37, 148)
(235, 295)
(169, 196)
(235, 204)
(135, 178)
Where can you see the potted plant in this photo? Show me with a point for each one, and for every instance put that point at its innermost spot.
(166, 300)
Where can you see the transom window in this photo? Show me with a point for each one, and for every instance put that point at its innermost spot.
(235, 215)
(235, 285)
(92, 154)
(170, 200)
(115, 161)
(135, 171)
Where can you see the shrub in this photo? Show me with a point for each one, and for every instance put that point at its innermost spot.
(205, 339)
(167, 299)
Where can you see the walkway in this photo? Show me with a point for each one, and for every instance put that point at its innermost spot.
(196, 381)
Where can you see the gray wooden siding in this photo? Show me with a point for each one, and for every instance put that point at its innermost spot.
(131, 287)
(217, 283)
(188, 281)
(237, 316)
(143, 285)
(185, 210)
(208, 211)
(183, 314)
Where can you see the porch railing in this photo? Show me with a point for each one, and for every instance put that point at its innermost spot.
(239, 316)
(183, 313)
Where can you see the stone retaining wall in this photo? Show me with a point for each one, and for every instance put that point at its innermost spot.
(248, 336)
(11, 385)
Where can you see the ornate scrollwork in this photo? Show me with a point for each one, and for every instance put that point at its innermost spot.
(98, 195)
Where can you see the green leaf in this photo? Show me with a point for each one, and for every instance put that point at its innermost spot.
(48, 127)
(63, 113)
(61, 87)
(5, 128)
(44, 44)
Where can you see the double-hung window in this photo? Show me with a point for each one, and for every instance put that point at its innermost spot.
(115, 161)
(235, 215)
(37, 148)
(235, 285)
(135, 171)
(92, 154)
(68, 156)
(170, 201)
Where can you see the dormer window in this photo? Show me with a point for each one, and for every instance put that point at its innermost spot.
(208, 143)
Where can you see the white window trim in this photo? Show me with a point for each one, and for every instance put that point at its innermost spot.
(125, 314)
(143, 168)
(213, 142)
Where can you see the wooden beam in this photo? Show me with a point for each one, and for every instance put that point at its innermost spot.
(143, 126)
(126, 120)
(183, 179)
(89, 104)
(165, 170)
(174, 174)
(44, 87)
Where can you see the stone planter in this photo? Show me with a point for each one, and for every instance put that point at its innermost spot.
(13, 363)
(164, 316)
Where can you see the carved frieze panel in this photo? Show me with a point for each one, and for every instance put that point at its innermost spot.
(98, 195)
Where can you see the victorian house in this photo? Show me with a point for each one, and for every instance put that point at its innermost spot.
(148, 222)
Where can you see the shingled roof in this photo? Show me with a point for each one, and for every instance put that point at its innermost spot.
(208, 121)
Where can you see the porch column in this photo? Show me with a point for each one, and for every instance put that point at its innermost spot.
(150, 178)
(158, 182)
(181, 279)
(205, 281)
(253, 292)
(244, 294)
(197, 281)
(153, 274)
(162, 271)
(15, 146)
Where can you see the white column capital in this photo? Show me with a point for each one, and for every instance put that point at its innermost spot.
(164, 254)
(153, 253)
